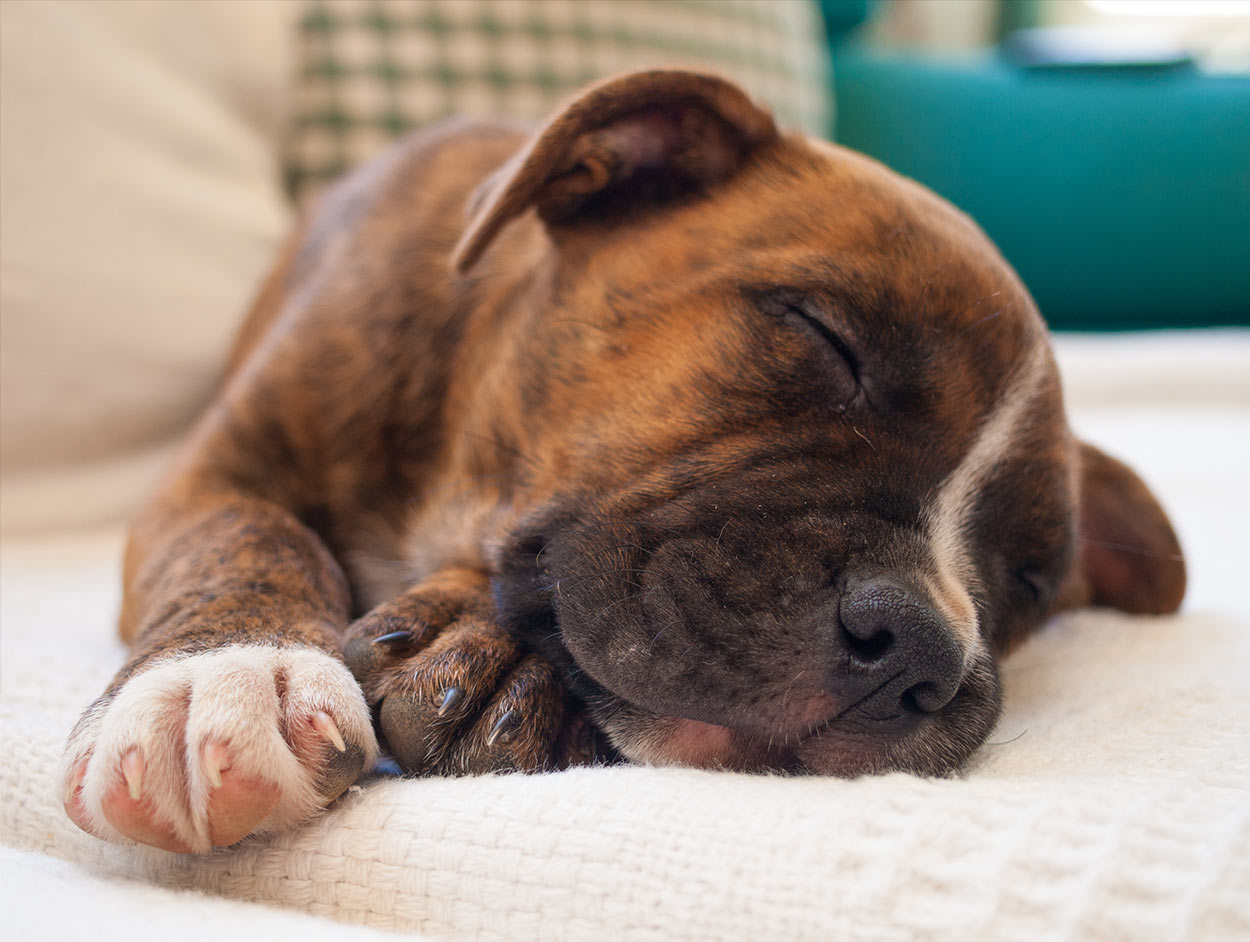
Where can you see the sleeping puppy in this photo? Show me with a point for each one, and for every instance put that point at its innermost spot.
(657, 434)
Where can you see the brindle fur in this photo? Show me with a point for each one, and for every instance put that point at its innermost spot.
(605, 440)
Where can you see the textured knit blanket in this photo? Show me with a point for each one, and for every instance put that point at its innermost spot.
(1112, 802)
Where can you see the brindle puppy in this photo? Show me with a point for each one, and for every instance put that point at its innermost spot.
(729, 446)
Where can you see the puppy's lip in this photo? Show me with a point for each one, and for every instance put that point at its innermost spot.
(800, 719)
(696, 741)
(696, 744)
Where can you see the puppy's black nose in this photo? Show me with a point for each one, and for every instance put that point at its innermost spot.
(905, 650)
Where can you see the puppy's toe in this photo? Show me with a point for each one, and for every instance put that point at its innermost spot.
(237, 803)
(519, 728)
(135, 815)
(430, 698)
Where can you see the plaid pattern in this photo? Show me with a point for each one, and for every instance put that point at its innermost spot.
(372, 69)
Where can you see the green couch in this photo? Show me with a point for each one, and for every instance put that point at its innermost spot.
(1120, 194)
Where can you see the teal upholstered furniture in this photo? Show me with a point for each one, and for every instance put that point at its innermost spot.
(1120, 194)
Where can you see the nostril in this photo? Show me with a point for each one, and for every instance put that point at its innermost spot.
(871, 649)
(923, 698)
(867, 624)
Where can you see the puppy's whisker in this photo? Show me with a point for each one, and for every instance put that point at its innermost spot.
(1135, 550)
(620, 546)
(1008, 742)
(577, 323)
(604, 523)
(602, 574)
(655, 637)
(864, 437)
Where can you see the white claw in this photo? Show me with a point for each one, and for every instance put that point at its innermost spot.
(132, 770)
(214, 762)
(324, 724)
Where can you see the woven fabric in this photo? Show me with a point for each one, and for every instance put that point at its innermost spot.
(373, 69)
(1112, 803)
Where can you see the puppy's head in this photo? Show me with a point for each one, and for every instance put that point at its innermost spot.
(796, 466)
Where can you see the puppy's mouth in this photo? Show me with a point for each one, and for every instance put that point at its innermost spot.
(850, 742)
(822, 734)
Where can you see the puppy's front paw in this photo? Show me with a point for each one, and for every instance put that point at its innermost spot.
(461, 697)
(202, 750)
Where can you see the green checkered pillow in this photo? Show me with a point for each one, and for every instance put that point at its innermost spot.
(372, 69)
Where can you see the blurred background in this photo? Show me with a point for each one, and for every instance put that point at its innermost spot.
(1103, 144)
(154, 152)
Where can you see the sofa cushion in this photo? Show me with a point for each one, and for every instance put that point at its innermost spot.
(370, 71)
(142, 200)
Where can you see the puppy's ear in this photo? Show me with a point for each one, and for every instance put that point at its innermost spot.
(1129, 557)
(641, 138)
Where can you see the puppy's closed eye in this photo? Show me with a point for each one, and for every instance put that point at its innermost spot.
(801, 313)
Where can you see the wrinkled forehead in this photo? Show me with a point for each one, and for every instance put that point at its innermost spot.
(879, 233)
(902, 269)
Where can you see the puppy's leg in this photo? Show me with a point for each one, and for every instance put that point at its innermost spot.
(454, 692)
(235, 715)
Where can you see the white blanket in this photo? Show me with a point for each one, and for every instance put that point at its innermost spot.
(1113, 801)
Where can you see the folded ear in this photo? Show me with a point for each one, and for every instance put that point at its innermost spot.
(635, 140)
(1129, 556)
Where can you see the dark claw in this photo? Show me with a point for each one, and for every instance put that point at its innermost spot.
(503, 727)
(451, 696)
(394, 637)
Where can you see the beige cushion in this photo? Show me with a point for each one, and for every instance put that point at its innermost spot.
(142, 200)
